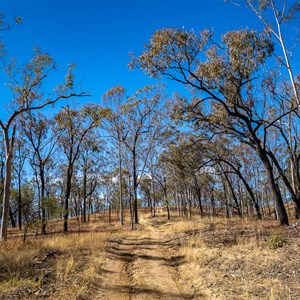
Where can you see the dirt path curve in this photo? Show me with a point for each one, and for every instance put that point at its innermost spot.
(137, 267)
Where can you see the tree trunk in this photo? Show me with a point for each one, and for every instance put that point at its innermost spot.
(109, 215)
(237, 204)
(153, 200)
(12, 219)
(121, 187)
(212, 203)
(297, 207)
(287, 184)
(135, 186)
(248, 188)
(131, 211)
(6, 196)
(67, 197)
(199, 196)
(19, 201)
(43, 198)
(84, 193)
(167, 202)
(281, 211)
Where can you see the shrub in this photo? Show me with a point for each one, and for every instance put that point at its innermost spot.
(277, 241)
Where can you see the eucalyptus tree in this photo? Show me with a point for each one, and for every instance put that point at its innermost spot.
(176, 163)
(113, 100)
(141, 113)
(231, 158)
(20, 156)
(157, 173)
(28, 94)
(12, 211)
(5, 25)
(145, 192)
(204, 152)
(136, 124)
(167, 133)
(160, 175)
(109, 191)
(76, 124)
(290, 141)
(75, 201)
(128, 183)
(281, 20)
(90, 163)
(43, 143)
(230, 90)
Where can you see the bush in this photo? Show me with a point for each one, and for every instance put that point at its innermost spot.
(277, 241)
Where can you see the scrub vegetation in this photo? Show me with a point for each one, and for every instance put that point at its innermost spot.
(192, 193)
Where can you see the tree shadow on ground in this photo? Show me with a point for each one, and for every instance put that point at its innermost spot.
(131, 290)
(124, 250)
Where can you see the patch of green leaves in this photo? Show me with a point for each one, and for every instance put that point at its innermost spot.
(277, 241)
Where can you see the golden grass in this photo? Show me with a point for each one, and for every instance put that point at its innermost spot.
(14, 283)
(223, 259)
(79, 268)
(233, 260)
(56, 266)
(63, 266)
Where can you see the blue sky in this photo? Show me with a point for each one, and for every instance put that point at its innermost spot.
(98, 35)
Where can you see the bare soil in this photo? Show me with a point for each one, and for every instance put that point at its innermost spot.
(137, 267)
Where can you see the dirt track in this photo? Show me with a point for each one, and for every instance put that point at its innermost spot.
(137, 266)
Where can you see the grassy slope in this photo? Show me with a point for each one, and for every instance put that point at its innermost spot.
(238, 259)
(223, 259)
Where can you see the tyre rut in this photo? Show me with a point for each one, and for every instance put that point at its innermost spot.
(138, 268)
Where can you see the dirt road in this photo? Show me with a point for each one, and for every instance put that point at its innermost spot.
(138, 266)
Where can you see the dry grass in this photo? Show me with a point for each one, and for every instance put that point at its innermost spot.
(237, 259)
(56, 266)
(223, 259)
(78, 270)
(17, 261)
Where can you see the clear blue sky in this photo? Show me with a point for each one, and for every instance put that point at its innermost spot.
(98, 35)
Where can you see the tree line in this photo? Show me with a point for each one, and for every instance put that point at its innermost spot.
(229, 147)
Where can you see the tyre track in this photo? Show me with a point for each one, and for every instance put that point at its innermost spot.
(138, 268)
